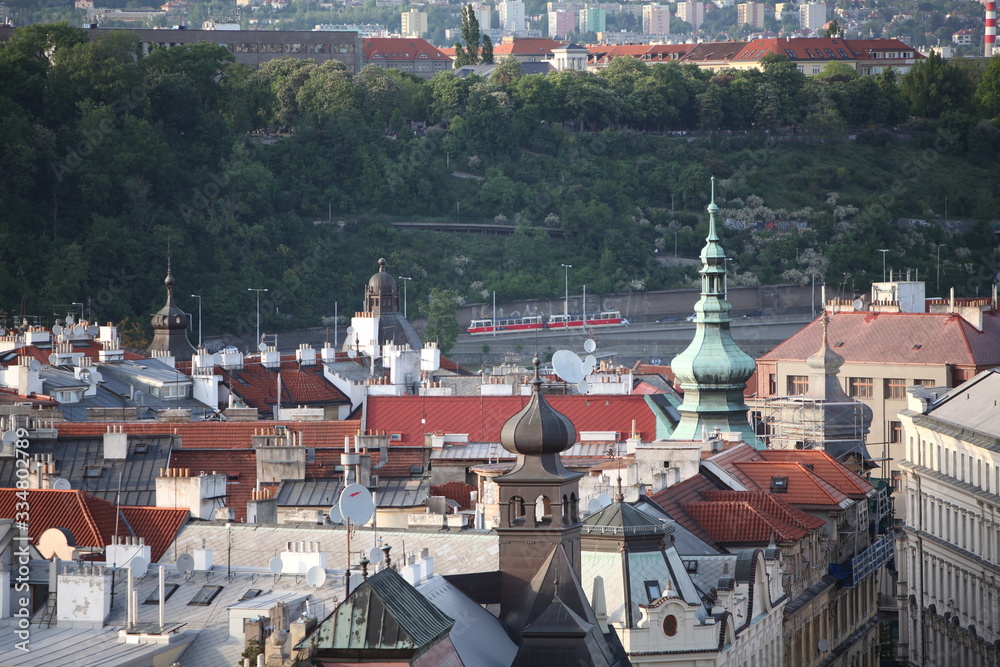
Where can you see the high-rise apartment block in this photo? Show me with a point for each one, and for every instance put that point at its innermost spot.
(812, 15)
(593, 19)
(751, 13)
(561, 24)
(691, 12)
(414, 23)
(656, 19)
(511, 16)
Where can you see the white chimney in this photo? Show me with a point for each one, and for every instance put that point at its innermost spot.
(204, 559)
(306, 355)
(115, 443)
(200, 494)
(270, 358)
(122, 550)
(84, 597)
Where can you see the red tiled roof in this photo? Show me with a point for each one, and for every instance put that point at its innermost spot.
(400, 48)
(240, 467)
(825, 467)
(526, 46)
(710, 51)
(220, 435)
(300, 385)
(92, 520)
(653, 53)
(735, 522)
(690, 490)
(899, 338)
(400, 462)
(815, 48)
(771, 504)
(803, 488)
(457, 491)
(11, 397)
(482, 417)
(157, 525)
(91, 349)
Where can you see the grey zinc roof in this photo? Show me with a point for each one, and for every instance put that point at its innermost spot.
(59, 645)
(972, 405)
(134, 476)
(349, 370)
(620, 518)
(402, 492)
(477, 635)
(384, 612)
(309, 493)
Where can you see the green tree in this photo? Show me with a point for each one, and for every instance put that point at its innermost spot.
(987, 97)
(934, 87)
(507, 71)
(475, 48)
(442, 321)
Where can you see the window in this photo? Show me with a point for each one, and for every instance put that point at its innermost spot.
(250, 594)
(168, 590)
(895, 431)
(895, 388)
(270, 48)
(860, 387)
(797, 384)
(653, 591)
(779, 485)
(93, 471)
(205, 596)
(816, 69)
(772, 384)
(691, 565)
(924, 383)
(247, 47)
(670, 625)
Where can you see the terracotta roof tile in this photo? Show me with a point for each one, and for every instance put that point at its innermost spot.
(482, 417)
(734, 522)
(157, 525)
(300, 385)
(220, 435)
(457, 491)
(825, 467)
(803, 487)
(400, 48)
(91, 349)
(240, 467)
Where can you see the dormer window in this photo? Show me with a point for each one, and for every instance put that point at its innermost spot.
(779, 485)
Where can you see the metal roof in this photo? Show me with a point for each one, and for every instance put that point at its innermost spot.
(310, 493)
(402, 492)
(972, 405)
(478, 636)
(349, 370)
(134, 478)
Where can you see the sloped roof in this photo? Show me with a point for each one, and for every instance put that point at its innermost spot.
(457, 491)
(803, 486)
(712, 51)
(220, 435)
(90, 349)
(384, 613)
(774, 505)
(240, 467)
(91, 520)
(972, 405)
(482, 417)
(400, 48)
(823, 466)
(300, 385)
(910, 338)
(742, 521)
(653, 53)
(525, 46)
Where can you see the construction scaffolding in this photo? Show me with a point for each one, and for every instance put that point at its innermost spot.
(800, 422)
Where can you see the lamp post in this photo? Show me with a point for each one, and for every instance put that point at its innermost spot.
(407, 279)
(675, 242)
(567, 267)
(258, 290)
(939, 267)
(883, 251)
(195, 296)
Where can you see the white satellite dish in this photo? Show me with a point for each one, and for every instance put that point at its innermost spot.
(139, 567)
(262, 347)
(335, 515)
(859, 304)
(582, 386)
(57, 329)
(823, 645)
(604, 499)
(34, 365)
(316, 576)
(589, 345)
(357, 504)
(375, 555)
(69, 320)
(589, 364)
(78, 330)
(185, 563)
(568, 366)
(61, 484)
(9, 437)
(655, 361)
(351, 331)
(53, 360)
(352, 353)
(275, 564)
(93, 330)
(593, 505)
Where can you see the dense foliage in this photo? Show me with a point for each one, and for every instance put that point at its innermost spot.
(108, 159)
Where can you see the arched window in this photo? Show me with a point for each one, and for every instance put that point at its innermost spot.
(574, 508)
(516, 511)
(543, 511)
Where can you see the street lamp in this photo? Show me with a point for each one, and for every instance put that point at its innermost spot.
(939, 267)
(675, 242)
(883, 251)
(258, 290)
(407, 279)
(566, 298)
(195, 296)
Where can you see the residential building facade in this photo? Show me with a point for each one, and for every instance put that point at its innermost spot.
(413, 23)
(692, 12)
(949, 552)
(656, 19)
(812, 16)
(751, 13)
(511, 15)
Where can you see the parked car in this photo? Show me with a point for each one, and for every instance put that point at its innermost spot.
(669, 318)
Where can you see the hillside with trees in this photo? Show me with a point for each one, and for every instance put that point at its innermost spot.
(108, 159)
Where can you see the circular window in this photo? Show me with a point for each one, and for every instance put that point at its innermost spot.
(670, 625)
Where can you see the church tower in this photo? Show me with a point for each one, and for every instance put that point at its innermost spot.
(170, 326)
(713, 371)
(381, 323)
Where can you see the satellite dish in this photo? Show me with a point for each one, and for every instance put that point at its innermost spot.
(9, 437)
(316, 576)
(139, 567)
(823, 645)
(568, 366)
(262, 347)
(655, 361)
(57, 329)
(34, 365)
(335, 515)
(185, 563)
(589, 364)
(351, 331)
(61, 484)
(858, 304)
(604, 499)
(589, 345)
(53, 360)
(275, 564)
(375, 555)
(356, 504)
(78, 330)
(352, 353)
(69, 320)
(582, 386)
(593, 505)
(93, 330)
